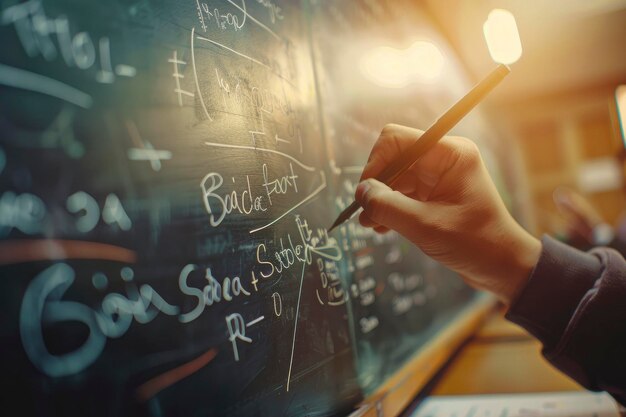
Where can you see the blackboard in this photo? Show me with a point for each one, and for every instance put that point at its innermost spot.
(168, 172)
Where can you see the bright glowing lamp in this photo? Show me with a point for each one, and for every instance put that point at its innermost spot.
(503, 41)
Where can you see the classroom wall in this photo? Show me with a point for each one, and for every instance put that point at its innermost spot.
(554, 110)
(559, 136)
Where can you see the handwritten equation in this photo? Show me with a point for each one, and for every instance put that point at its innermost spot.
(193, 195)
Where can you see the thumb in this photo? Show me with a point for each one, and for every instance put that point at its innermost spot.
(387, 207)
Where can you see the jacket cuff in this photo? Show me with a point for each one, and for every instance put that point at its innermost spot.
(553, 291)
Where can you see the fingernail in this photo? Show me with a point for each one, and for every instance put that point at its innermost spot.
(361, 191)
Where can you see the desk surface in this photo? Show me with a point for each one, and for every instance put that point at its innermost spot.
(501, 358)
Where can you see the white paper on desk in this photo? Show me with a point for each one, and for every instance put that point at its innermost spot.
(556, 404)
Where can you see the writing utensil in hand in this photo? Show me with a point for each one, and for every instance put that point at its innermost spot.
(432, 135)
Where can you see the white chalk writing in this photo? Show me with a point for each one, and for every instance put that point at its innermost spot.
(213, 291)
(43, 304)
(48, 37)
(24, 212)
(237, 330)
(243, 202)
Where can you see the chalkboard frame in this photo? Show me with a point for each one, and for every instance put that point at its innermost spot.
(409, 384)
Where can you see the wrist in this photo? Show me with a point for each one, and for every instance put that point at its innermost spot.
(524, 255)
(506, 256)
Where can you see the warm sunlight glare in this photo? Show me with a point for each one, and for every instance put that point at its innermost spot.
(397, 68)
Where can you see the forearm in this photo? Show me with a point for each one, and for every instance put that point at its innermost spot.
(575, 304)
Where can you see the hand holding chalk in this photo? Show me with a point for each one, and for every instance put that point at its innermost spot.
(505, 47)
(447, 205)
(444, 200)
(434, 133)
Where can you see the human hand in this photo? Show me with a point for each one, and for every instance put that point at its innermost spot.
(448, 206)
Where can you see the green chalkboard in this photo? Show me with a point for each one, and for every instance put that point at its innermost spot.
(168, 172)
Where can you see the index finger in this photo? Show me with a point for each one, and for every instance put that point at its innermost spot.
(393, 139)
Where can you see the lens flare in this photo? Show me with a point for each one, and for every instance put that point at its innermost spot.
(397, 68)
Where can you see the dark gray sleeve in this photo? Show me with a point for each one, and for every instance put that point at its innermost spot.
(575, 303)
